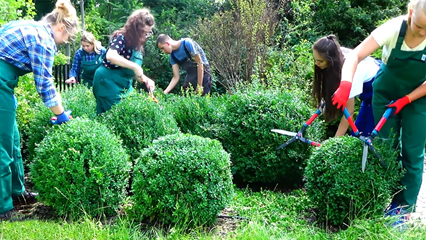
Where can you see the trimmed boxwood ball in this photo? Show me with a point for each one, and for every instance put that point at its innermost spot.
(137, 120)
(340, 190)
(79, 99)
(182, 179)
(81, 166)
(248, 118)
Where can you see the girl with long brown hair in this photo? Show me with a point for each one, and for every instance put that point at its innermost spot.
(329, 57)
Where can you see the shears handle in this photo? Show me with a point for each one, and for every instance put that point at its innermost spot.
(351, 122)
(315, 115)
(382, 121)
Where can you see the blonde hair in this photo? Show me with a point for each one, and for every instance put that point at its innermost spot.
(89, 38)
(66, 14)
(416, 5)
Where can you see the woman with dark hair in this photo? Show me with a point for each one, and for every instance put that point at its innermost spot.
(113, 79)
(329, 57)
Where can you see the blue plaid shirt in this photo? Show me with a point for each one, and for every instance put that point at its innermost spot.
(78, 57)
(30, 46)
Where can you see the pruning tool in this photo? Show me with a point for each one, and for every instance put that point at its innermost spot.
(150, 91)
(151, 94)
(299, 135)
(368, 141)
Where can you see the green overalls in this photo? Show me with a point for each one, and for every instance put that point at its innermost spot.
(111, 85)
(88, 69)
(11, 167)
(404, 72)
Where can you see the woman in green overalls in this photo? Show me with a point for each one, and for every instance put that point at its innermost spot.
(27, 46)
(86, 60)
(400, 79)
(113, 79)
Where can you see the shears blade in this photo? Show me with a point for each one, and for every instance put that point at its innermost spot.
(284, 132)
(364, 157)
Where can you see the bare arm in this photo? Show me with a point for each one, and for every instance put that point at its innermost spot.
(344, 124)
(364, 49)
(117, 59)
(200, 70)
(175, 79)
(417, 93)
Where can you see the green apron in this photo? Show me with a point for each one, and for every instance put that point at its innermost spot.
(404, 72)
(11, 167)
(88, 69)
(111, 85)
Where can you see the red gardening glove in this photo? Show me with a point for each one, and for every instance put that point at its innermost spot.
(399, 104)
(341, 95)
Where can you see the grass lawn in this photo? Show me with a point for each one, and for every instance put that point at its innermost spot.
(256, 215)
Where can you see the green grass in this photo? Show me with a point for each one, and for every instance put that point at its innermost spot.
(267, 215)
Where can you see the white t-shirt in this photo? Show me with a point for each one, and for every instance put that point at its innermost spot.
(386, 35)
(364, 72)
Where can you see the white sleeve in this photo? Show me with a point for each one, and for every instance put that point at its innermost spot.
(386, 33)
(365, 71)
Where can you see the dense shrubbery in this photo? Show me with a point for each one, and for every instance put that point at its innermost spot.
(182, 179)
(78, 99)
(340, 190)
(246, 134)
(81, 166)
(138, 120)
(197, 115)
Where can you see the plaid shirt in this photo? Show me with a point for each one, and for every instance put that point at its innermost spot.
(30, 46)
(78, 57)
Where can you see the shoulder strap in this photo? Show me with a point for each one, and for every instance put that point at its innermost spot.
(401, 35)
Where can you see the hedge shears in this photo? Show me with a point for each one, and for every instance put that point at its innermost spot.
(299, 135)
(367, 140)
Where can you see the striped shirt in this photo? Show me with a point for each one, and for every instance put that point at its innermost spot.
(30, 46)
(78, 57)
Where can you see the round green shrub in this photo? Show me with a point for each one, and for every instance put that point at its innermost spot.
(340, 190)
(138, 121)
(195, 114)
(182, 179)
(79, 99)
(248, 118)
(81, 166)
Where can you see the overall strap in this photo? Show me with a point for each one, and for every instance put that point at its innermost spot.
(401, 35)
(188, 55)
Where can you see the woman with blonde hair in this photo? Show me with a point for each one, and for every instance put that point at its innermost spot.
(114, 78)
(400, 79)
(86, 60)
(28, 46)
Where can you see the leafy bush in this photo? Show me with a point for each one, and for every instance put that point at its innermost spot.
(79, 99)
(138, 121)
(182, 179)
(195, 114)
(81, 166)
(247, 122)
(340, 190)
(28, 97)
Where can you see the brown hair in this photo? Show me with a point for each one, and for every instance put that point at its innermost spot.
(89, 38)
(326, 81)
(162, 38)
(133, 29)
(66, 14)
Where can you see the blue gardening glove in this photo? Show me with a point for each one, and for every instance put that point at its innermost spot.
(61, 118)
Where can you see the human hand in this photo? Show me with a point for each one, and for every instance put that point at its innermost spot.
(61, 118)
(70, 80)
(399, 104)
(199, 90)
(341, 95)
